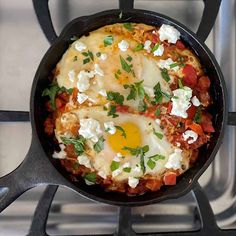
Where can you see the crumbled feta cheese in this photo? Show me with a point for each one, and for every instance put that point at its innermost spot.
(119, 154)
(126, 165)
(103, 92)
(195, 101)
(84, 160)
(79, 46)
(102, 174)
(190, 134)
(90, 129)
(110, 127)
(178, 144)
(116, 172)
(116, 159)
(103, 56)
(147, 45)
(61, 154)
(174, 160)
(81, 98)
(137, 169)
(133, 182)
(98, 70)
(123, 45)
(166, 64)
(83, 80)
(159, 51)
(71, 75)
(158, 121)
(181, 102)
(169, 33)
(149, 91)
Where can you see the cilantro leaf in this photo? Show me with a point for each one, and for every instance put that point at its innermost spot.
(157, 157)
(135, 89)
(158, 111)
(122, 130)
(79, 143)
(75, 58)
(128, 26)
(127, 169)
(125, 66)
(159, 135)
(99, 145)
(86, 60)
(114, 165)
(157, 92)
(165, 75)
(129, 58)
(151, 164)
(116, 97)
(156, 46)
(198, 116)
(112, 112)
(91, 177)
(108, 40)
(139, 47)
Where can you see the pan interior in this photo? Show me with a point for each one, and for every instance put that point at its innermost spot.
(83, 25)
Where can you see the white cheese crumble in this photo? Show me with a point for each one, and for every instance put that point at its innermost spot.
(147, 45)
(61, 154)
(149, 91)
(169, 33)
(116, 159)
(174, 160)
(195, 101)
(79, 46)
(166, 64)
(110, 127)
(158, 121)
(126, 165)
(103, 92)
(71, 75)
(83, 80)
(123, 45)
(137, 169)
(190, 135)
(84, 160)
(178, 144)
(116, 172)
(102, 174)
(133, 182)
(81, 97)
(159, 51)
(181, 101)
(118, 154)
(103, 56)
(90, 129)
(98, 70)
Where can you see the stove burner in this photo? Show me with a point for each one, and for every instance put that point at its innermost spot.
(205, 214)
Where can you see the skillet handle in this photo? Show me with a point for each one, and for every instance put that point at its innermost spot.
(231, 118)
(36, 169)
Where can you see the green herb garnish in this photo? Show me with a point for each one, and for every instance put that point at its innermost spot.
(79, 143)
(127, 169)
(91, 177)
(99, 145)
(86, 60)
(158, 111)
(108, 40)
(159, 135)
(142, 106)
(125, 66)
(116, 97)
(180, 83)
(128, 26)
(165, 75)
(157, 157)
(112, 112)
(139, 47)
(151, 164)
(122, 130)
(198, 116)
(114, 165)
(135, 89)
(75, 58)
(156, 46)
(173, 65)
(98, 54)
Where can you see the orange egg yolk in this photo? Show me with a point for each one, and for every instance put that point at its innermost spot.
(133, 138)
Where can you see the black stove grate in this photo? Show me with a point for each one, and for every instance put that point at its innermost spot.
(205, 217)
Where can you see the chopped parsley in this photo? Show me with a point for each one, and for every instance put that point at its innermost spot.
(151, 164)
(112, 112)
(125, 66)
(89, 56)
(99, 145)
(158, 111)
(86, 60)
(180, 83)
(117, 74)
(152, 160)
(139, 47)
(127, 169)
(198, 116)
(108, 40)
(129, 58)
(53, 90)
(165, 75)
(114, 165)
(116, 97)
(91, 177)
(159, 93)
(128, 26)
(135, 89)
(79, 143)
(159, 135)
(122, 130)
(156, 46)
(157, 157)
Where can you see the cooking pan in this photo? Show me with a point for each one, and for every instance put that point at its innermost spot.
(40, 168)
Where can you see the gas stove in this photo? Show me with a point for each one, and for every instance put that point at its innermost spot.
(209, 209)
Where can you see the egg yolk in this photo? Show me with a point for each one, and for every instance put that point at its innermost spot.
(133, 138)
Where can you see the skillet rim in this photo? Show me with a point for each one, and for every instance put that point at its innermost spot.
(193, 36)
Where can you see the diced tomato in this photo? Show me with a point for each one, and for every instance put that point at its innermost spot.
(122, 108)
(48, 106)
(206, 123)
(49, 126)
(154, 38)
(203, 84)
(153, 184)
(207, 127)
(70, 151)
(170, 178)
(196, 128)
(59, 103)
(180, 45)
(169, 107)
(64, 96)
(190, 76)
(204, 98)
(191, 112)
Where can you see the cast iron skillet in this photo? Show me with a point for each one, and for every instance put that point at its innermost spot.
(40, 168)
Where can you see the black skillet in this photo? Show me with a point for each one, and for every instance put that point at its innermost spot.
(40, 168)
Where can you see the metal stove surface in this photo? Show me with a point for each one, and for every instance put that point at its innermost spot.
(22, 47)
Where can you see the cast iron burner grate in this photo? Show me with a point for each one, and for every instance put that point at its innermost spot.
(205, 218)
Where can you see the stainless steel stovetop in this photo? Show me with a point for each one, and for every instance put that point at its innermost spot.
(22, 46)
